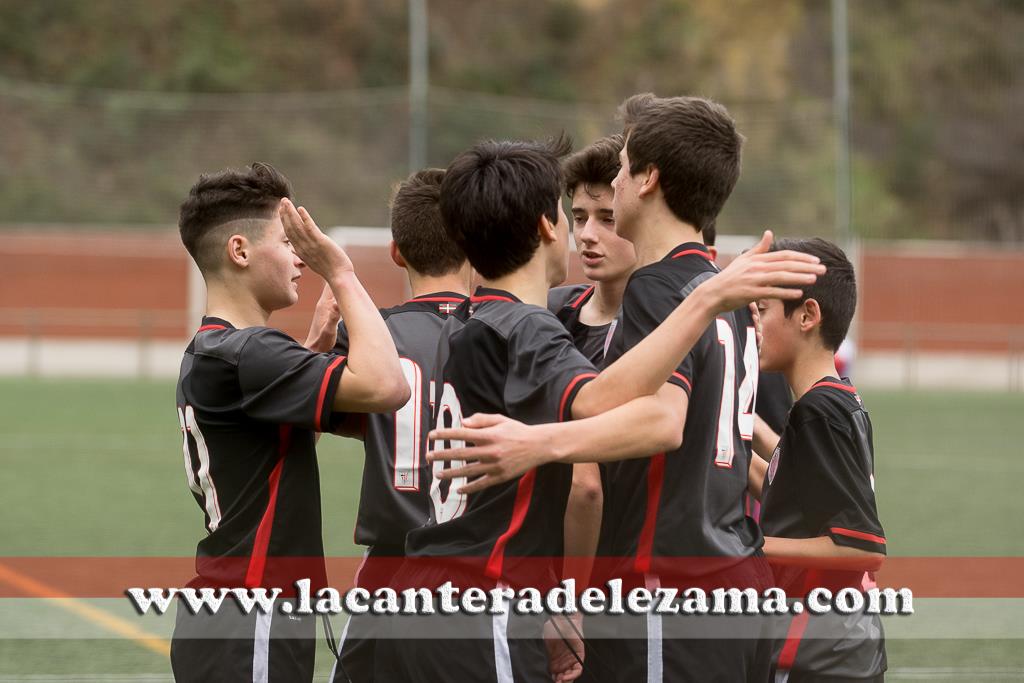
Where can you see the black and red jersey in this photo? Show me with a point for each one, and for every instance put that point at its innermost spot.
(395, 495)
(513, 359)
(820, 482)
(566, 303)
(249, 404)
(688, 502)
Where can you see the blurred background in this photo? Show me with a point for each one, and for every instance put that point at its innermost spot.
(895, 127)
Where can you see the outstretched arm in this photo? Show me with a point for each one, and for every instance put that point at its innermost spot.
(756, 274)
(504, 448)
(820, 553)
(373, 379)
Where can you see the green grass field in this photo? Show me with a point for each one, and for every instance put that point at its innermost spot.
(94, 468)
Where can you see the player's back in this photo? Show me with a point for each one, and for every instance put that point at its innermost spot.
(248, 403)
(689, 502)
(517, 360)
(397, 478)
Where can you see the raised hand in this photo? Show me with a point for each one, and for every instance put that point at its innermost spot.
(323, 330)
(760, 274)
(322, 254)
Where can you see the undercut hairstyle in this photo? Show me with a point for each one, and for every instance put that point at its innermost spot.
(417, 226)
(693, 143)
(835, 291)
(595, 164)
(245, 199)
(494, 195)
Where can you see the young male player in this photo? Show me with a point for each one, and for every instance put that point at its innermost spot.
(591, 314)
(819, 513)
(500, 202)
(250, 401)
(397, 478)
(678, 516)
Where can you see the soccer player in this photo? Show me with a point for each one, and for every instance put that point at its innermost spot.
(591, 314)
(819, 513)
(500, 202)
(397, 478)
(773, 399)
(250, 401)
(680, 163)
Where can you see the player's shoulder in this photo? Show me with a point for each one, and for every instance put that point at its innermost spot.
(831, 399)
(230, 344)
(569, 296)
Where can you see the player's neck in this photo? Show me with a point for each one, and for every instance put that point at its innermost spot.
(234, 304)
(604, 305)
(528, 284)
(659, 234)
(457, 283)
(810, 367)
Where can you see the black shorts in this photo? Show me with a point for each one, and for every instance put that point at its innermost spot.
(251, 648)
(439, 648)
(358, 637)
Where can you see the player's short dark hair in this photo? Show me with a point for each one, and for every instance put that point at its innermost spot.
(417, 227)
(494, 194)
(230, 195)
(835, 291)
(710, 233)
(595, 164)
(693, 143)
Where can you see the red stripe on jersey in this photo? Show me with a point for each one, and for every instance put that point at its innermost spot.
(323, 392)
(258, 559)
(204, 328)
(684, 379)
(799, 624)
(835, 385)
(568, 390)
(655, 479)
(857, 534)
(439, 299)
(688, 252)
(524, 491)
(581, 297)
(490, 297)
(793, 638)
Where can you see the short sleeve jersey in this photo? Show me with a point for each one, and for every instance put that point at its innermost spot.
(820, 482)
(688, 502)
(249, 404)
(395, 495)
(821, 478)
(514, 359)
(592, 340)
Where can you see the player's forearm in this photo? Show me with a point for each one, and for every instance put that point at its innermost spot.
(582, 522)
(765, 439)
(641, 427)
(643, 369)
(373, 379)
(820, 553)
(756, 474)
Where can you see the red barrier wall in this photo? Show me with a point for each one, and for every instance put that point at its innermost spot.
(104, 285)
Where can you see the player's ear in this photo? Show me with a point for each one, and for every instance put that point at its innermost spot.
(396, 255)
(238, 249)
(714, 253)
(650, 179)
(810, 315)
(547, 229)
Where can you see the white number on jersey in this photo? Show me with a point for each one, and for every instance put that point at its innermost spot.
(200, 482)
(725, 447)
(454, 504)
(407, 431)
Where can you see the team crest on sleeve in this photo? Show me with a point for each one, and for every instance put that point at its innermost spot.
(773, 466)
